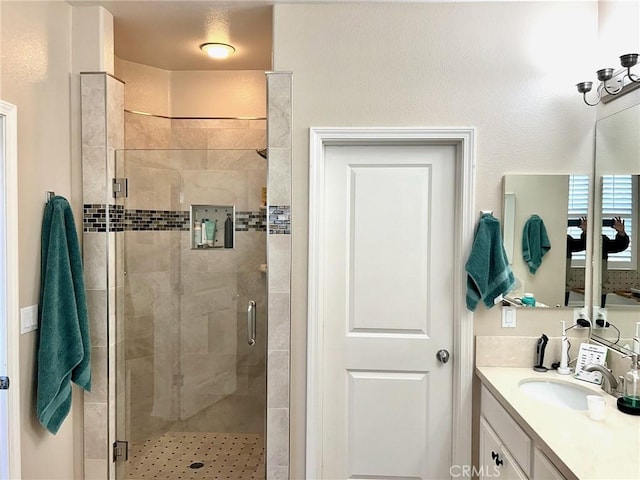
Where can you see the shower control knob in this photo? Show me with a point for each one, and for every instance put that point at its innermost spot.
(443, 355)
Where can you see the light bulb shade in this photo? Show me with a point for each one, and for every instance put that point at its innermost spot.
(584, 87)
(217, 50)
(629, 60)
(605, 74)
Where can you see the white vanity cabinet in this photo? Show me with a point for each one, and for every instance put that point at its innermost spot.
(506, 451)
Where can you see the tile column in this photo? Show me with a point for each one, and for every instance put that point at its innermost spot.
(102, 106)
(279, 273)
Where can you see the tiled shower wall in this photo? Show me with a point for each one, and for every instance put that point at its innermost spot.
(208, 164)
(158, 133)
(211, 379)
(103, 132)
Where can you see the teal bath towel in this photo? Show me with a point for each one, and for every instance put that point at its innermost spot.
(63, 347)
(488, 271)
(535, 242)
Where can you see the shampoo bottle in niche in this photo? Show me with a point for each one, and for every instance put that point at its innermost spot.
(211, 232)
(228, 232)
(197, 235)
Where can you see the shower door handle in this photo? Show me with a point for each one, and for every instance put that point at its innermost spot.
(251, 323)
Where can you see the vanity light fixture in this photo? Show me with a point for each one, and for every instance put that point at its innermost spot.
(606, 74)
(217, 50)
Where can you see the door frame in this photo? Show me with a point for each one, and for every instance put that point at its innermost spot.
(9, 283)
(463, 140)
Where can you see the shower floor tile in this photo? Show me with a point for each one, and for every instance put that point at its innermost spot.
(222, 456)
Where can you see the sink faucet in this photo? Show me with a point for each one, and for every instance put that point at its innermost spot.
(610, 378)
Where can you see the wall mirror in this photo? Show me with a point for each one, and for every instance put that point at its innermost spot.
(541, 219)
(616, 284)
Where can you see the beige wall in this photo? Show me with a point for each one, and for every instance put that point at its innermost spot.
(36, 67)
(44, 45)
(618, 23)
(146, 88)
(204, 94)
(503, 68)
(218, 94)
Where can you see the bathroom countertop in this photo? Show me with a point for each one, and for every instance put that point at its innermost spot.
(580, 447)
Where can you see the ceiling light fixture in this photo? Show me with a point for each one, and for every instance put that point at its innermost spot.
(217, 50)
(606, 74)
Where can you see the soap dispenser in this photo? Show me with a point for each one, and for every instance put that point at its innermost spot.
(630, 401)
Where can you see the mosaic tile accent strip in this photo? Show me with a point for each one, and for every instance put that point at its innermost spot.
(95, 220)
(280, 219)
(95, 217)
(246, 221)
(196, 455)
(146, 220)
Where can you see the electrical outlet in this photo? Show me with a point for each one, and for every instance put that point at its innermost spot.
(600, 317)
(579, 313)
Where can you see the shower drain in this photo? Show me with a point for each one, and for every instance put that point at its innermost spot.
(195, 465)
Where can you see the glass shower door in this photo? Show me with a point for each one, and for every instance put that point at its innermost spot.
(191, 390)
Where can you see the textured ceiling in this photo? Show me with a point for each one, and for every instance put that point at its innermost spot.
(167, 34)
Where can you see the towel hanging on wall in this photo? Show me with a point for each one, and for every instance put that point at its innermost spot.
(535, 242)
(64, 348)
(488, 273)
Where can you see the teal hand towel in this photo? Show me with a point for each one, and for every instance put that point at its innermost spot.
(488, 271)
(64, 347)
(535, 242)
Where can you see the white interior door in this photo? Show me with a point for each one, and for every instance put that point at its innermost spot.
(4, 410)
(387, 234)
(9, 397)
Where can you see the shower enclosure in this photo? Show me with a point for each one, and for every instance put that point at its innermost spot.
(190, 385)
(109, 224)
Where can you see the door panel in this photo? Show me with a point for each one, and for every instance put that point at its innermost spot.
(379, 231)
(400, 408)
(387, 308)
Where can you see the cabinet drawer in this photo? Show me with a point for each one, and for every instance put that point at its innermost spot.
(507, 429)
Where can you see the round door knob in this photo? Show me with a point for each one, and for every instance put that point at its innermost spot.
(443, 355)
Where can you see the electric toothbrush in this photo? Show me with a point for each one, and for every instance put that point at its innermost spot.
(636, 339)
(564, 369)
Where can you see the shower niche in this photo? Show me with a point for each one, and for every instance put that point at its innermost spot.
(212, 226)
